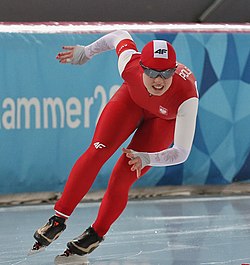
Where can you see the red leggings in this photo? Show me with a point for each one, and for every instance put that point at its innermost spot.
(119, 119)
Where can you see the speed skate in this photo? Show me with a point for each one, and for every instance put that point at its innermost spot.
(69, 258)
(47, 234)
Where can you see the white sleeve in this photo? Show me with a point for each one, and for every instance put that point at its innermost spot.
(183, 137)
(107, 42)
(124, 58)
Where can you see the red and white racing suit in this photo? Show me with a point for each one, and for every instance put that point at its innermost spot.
(156, 121)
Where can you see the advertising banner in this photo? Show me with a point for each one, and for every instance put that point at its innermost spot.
(48, 111)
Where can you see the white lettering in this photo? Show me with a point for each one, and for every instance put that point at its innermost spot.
(53, 103)
(185, 73)
(25, 113)
(88, 102)
(8, 118)
(73, 108)
(100, 90)
(24, 103)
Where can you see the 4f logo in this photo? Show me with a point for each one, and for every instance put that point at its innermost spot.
(99, 145)
(160, 49)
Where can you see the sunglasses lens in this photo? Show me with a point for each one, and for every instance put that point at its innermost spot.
(168, 73)
(153, 73)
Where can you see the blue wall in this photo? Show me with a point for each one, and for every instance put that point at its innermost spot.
(48, 111)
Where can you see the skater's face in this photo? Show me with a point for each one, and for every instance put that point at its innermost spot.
(157, 86)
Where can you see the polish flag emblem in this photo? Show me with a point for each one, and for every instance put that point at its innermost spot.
(163, 110)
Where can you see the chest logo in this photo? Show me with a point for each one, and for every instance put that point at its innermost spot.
(163, 110)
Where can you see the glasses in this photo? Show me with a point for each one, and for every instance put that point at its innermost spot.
(153, 73)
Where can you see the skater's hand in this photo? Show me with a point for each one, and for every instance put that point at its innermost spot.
(73, 55)
(67, 55)
(138, 160)
(135, 161)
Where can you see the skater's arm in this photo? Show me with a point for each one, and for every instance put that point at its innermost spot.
(183, 139)
(81, 54)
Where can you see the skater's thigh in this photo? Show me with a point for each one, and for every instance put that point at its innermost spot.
(153, 135)
(118, 120)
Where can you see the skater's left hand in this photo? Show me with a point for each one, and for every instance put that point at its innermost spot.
(138, 160)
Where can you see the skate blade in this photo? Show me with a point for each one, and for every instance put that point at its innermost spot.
(37, 248)
(36, 251)
(72, 259)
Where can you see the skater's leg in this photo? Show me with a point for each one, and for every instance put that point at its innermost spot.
(111, 131)
(153, 135)
(116, 196)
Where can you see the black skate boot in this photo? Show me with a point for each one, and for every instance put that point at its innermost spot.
(48, 233)
(85, 243)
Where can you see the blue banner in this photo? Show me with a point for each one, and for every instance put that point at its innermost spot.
(48, 111)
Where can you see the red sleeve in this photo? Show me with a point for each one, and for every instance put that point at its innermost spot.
(124, 45)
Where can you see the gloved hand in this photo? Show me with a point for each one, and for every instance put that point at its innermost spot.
(79, 56)
(73, 55)
(138, 160)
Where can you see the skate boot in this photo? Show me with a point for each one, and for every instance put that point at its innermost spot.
(85, 243)
(48, 233)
